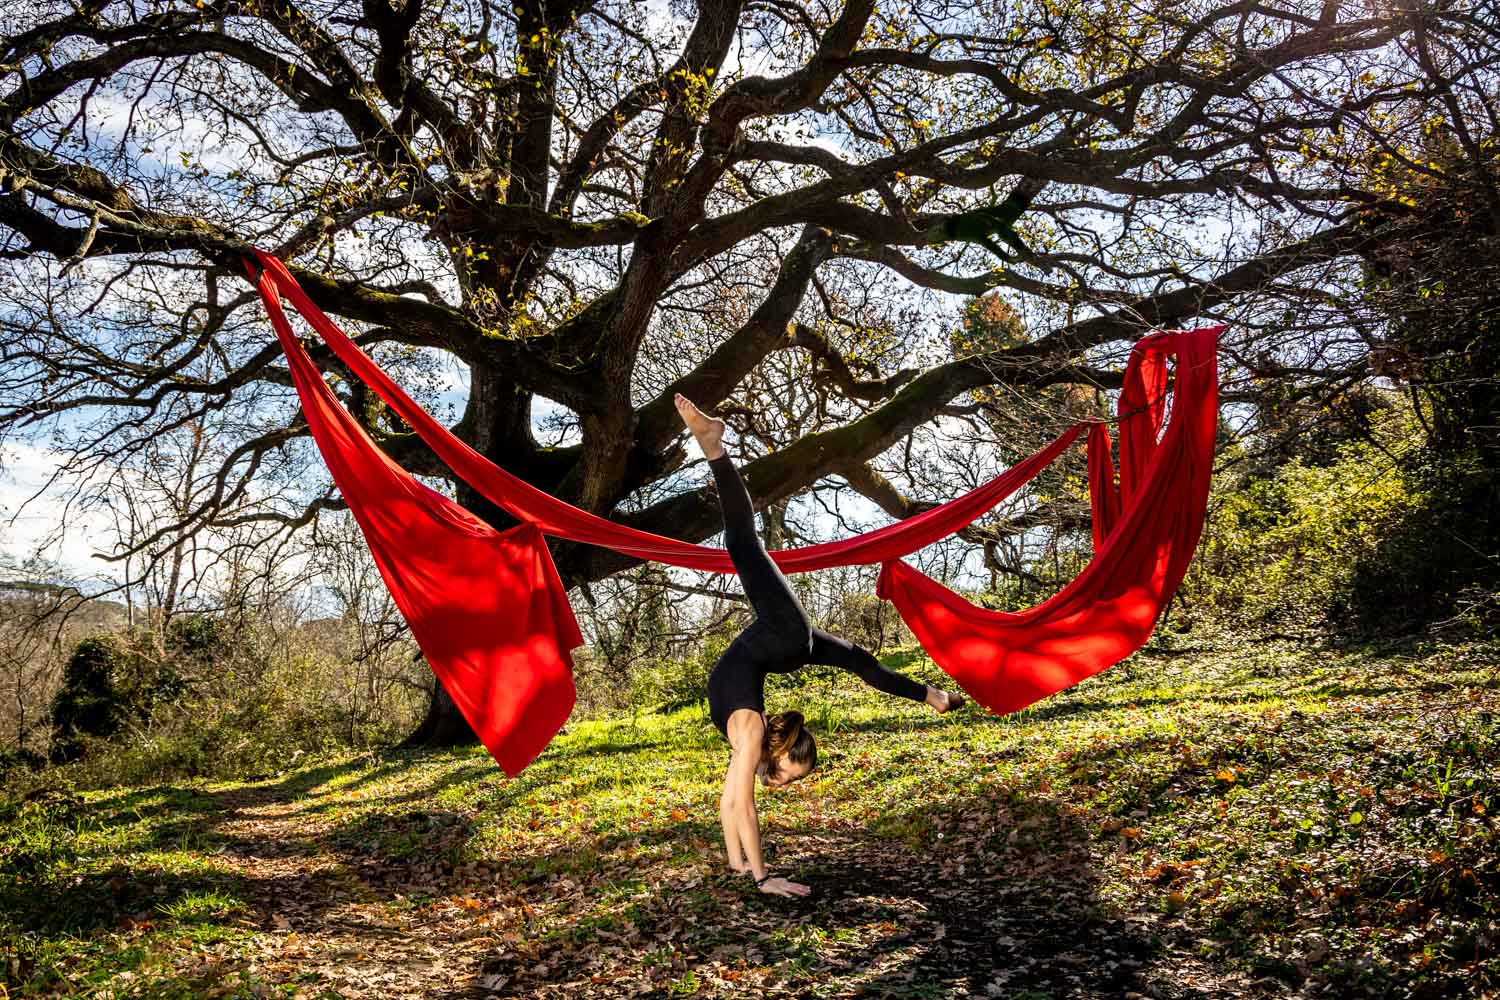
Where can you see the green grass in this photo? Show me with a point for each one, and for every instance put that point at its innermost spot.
(1255, 816)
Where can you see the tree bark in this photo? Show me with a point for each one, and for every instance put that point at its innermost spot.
(444, 725)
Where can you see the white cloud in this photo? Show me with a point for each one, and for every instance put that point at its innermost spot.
(32, 516)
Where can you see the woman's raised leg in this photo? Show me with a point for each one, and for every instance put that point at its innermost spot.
(765, 587)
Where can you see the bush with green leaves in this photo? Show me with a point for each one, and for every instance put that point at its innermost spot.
(211, 697)
(110, 682)
(88, 703)
(1362, 542)
(675, 682)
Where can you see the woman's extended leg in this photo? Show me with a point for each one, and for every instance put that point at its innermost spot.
(765, 587)
(784, 626)
(836, 652)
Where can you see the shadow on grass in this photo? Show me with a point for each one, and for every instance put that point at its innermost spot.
(192, 817)
(147, 804)
(125, 805)
(378, 853)
(991, 894)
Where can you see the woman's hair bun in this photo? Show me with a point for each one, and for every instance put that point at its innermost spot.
(787, 736)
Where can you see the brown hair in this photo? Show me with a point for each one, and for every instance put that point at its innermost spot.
(787, 738)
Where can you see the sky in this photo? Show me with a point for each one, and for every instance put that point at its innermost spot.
(30, 532)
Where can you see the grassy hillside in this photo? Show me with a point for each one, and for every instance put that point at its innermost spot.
(1199, 822)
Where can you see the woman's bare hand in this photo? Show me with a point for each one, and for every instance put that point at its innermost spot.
(779, 886)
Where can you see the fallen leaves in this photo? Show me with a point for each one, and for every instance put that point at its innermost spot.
(1047, 853)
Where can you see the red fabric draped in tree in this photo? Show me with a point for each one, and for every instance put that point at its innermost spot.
(1104, 493)
(486, 606)
(562, 520)
(1146, 534)
(481, 602)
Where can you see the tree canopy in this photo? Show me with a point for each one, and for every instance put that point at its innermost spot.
(590, 206)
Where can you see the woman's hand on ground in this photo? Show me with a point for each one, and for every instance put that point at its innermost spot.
(779, 886)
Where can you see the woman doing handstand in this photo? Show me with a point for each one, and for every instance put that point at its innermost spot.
(780, 749)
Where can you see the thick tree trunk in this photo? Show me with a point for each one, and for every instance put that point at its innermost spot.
(498, 424)
(444, 725)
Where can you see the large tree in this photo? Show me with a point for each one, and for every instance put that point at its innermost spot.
(592, 206)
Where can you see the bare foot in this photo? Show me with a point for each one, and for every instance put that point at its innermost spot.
(709, 431)
(943, 701)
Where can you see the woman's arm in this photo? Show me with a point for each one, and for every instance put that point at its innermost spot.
(737, 805)
(732, 850)
(729, 822)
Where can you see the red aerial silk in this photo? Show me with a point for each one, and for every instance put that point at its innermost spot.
(1145, 531)
(562, 520)
(1145, 536)
(487, 607)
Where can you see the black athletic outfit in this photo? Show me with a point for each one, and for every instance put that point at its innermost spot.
(780, 639)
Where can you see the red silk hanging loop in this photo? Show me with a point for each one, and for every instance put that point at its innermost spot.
(561, 520)
(487, 607)
(1145, 534)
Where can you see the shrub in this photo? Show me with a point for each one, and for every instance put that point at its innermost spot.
(675, 682)
(89, 702)
(1378, 539)
(210, 698)
(111, 681)
(1437, 564)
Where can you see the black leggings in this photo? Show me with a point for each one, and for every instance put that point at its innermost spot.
(781, 638)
